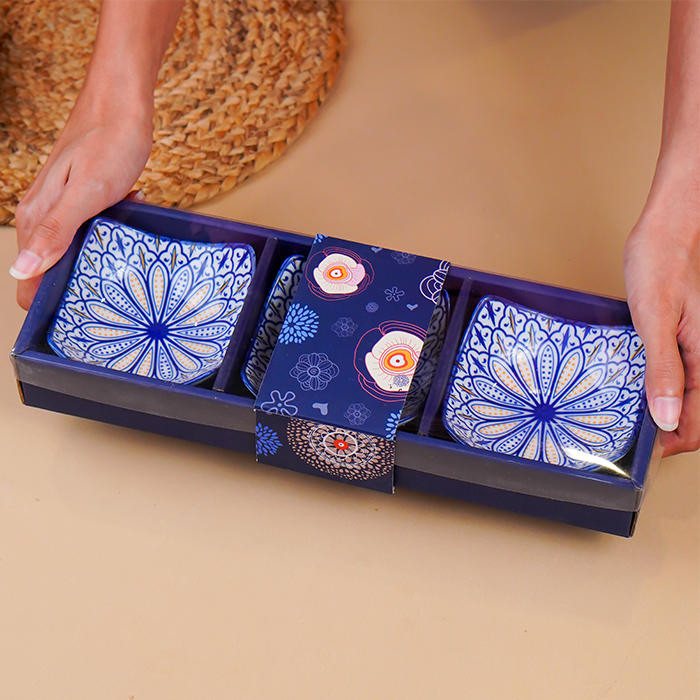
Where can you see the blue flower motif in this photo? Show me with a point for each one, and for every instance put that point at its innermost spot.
(394, 294)
(392, 423)
(279, 404)
(314, 371)
(300, 323)
(403, 258)
(319, 237)
(372, 307)
(357, 413)
(266, 440)
(344, 327)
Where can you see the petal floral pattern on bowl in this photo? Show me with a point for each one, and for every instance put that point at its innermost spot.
(150, 305)
(271, 321)
(528, 384)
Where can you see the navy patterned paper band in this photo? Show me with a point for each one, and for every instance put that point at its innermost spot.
(347, 353)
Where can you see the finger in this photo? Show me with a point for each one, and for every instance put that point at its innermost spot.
(686, 438)
(50, 238)
(136, 195)
(52, 164)
(26, 290)
(665, 377)
(40, 199)
(42, 175)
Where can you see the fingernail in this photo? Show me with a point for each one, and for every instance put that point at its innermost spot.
(26, 265)
(137, 195)
(666, 411)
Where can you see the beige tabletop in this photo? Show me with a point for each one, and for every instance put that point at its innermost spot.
(518, 138)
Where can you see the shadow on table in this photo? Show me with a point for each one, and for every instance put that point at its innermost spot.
(509, 17)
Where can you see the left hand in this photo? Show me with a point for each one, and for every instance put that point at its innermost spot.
(106, 140)
(94, 164)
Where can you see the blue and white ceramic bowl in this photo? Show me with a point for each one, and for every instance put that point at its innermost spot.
(272, 319)
(528, 384)
(427, 363)
(150, 305)
(270, 323)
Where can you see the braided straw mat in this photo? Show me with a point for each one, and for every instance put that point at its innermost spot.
(239, 83)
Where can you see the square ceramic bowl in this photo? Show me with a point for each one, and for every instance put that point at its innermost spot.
(275, 311)
(535, 386)
(427, 363)
(151, 305)
(270, 323)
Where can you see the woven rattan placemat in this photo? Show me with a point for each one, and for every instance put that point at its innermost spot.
(239, 83)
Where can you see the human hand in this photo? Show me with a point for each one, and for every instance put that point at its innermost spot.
(662, 274)
(96, 160)
(106, 141)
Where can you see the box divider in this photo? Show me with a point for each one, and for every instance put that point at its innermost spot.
(227, 378)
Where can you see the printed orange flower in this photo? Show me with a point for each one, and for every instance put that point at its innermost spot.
(393, 359)
(339, 274)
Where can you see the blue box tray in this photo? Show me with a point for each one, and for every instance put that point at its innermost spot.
(221, 412)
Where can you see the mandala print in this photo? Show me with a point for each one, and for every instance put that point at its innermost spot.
(403, 258)
(314, 371)
(372, 307)
(394, 294)
(150, 305)
(344, 327)
(266, 440)
(281, 405)
(357, 413)
(300, 324)
(339, 452)
(392, 424)
(270, 323)
(531, 385)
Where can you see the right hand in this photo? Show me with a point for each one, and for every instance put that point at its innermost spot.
(98, 157)
(662, 275)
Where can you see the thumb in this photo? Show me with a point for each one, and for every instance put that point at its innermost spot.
(665, 378)
(52, 235)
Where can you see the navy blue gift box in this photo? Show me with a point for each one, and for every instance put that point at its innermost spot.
(222, 412)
